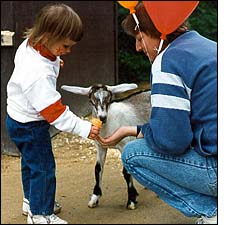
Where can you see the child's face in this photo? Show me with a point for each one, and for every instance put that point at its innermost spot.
(61, 47)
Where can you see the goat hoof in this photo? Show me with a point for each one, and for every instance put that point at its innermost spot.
(92, 204)
(94, 201)
(131, 205)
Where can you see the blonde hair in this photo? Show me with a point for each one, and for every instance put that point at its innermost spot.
(57, 22)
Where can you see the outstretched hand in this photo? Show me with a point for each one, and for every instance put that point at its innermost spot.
(94, 132)
(117, 136)
(112, 140)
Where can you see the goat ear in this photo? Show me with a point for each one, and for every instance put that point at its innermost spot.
(122, 87)
(76, 90)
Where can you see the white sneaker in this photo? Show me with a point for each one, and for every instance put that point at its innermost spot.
(207, 220)
(26, 207)
(41, 219)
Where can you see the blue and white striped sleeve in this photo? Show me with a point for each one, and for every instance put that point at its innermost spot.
(169, 129)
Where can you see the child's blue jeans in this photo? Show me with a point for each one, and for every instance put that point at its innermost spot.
(187, 182)
(37, 163)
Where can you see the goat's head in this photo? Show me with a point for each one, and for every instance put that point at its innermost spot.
(100, 96)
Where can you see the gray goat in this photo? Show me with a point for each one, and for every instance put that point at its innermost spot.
(133, 110)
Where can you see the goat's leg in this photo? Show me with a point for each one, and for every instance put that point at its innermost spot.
(97, 192)
(132, 192)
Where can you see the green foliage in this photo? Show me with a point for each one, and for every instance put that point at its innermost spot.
(205, 19)
(134, 66)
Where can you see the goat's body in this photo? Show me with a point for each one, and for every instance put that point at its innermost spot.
(127, 113)
(132, 111)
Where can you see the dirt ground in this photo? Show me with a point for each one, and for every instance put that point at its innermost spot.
(75, 161)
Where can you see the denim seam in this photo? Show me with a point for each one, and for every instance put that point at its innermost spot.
(166, 157)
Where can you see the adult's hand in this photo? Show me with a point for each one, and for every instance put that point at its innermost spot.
(117, 136)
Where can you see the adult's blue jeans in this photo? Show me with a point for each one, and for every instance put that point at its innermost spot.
(187, 182)
(37, 163)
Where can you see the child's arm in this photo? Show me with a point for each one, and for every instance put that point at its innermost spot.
(44, 97)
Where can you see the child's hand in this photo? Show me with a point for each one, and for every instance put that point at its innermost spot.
(93, 132)
(96, 126)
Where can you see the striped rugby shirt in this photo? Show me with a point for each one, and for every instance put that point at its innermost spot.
(184, 97)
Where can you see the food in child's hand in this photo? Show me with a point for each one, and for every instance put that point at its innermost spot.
(96, 122)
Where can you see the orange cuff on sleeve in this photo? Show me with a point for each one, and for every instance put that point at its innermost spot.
(53, 111)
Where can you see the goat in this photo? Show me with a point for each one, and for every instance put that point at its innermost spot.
(133, 110)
